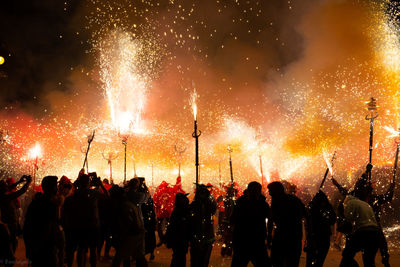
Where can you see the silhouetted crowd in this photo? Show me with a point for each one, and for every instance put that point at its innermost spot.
(77, 221)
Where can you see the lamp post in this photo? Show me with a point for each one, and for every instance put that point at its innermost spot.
(373, 114)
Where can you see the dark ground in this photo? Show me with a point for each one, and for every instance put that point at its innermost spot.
(163, 257)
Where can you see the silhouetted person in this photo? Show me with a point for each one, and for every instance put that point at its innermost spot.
(149, 220)
(229, 201)
(177, 236)
(249, 228)
(365, 230)
(8, 206)
(322, 217)
(100, 193)
(287, 213)
(127, 230)
(202, 210)
(6, 252)
(81, 223)
(376, 202)
(42, 231)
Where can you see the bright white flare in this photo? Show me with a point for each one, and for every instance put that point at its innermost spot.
(193, 102)
(328, 161)
(124, 84)
(35, 152)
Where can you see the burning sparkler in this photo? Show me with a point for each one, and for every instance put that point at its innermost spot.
(34, 154)
(372, 107)
(329, 168)
(196, 134)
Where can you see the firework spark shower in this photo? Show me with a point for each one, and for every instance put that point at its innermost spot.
(298, 80)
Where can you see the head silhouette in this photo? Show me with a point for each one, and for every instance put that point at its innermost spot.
(49, 185)
(254, 189)
(276, 189)
(181, 201)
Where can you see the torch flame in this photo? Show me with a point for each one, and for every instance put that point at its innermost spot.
(35, 152)
(328, 162)
(193, 99)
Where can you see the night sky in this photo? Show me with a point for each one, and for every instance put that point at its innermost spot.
(297, 73)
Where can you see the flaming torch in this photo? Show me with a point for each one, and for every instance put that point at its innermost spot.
(329, 168)
(110, 156)
(230, 150)
(196, 134)
(85, 161)
(179, 150)
(34, 154)
(371, 105)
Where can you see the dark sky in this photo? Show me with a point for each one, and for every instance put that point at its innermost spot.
(38, 42)
(42, 39)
